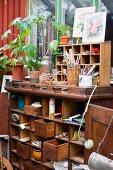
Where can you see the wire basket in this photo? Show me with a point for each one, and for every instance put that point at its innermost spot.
(56, 81)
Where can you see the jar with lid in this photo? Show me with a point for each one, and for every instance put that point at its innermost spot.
(46, 70)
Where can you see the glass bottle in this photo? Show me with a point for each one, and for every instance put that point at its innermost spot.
(51, 108)
(46, 70)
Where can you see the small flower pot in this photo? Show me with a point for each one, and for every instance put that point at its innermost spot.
(34, 76)
(64, 40)
(18, 72)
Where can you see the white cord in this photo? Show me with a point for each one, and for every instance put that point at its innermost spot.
(83, 115)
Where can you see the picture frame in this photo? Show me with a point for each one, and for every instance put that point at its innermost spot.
(79, 18)
(6, 79)
(94, 27)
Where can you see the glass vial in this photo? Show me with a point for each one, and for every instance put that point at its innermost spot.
(51, 108)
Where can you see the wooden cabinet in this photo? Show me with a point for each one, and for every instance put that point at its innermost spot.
(4, 124)
(36, 140)
(98, 54)
(97, 121)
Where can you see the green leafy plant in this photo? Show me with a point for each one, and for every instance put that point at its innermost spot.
(52, 47)
(63, 29)
(20, 50)
(4, 65)
(30, 61)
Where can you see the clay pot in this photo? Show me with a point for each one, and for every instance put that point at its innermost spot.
(36, 154)
(64, 40)
(18, 72)
(34, 76)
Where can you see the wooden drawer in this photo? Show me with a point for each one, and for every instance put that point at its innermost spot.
(33, 111)
(23, 150)
(55, 150)
(29, 165)
(44, 128)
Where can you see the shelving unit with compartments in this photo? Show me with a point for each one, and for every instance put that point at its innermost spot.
(37, 141)
(98, 54)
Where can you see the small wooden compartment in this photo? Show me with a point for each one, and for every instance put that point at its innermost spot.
(23, 150)
(55, 150)
(76, 153)
(44, 128)
(33, 111)
(29, 165)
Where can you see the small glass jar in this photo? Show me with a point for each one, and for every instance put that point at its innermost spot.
(46, 70)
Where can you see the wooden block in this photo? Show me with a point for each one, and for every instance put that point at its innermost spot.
(55, 150)
(23, 150)
(28, 165)
(44, 128)
(33, 111)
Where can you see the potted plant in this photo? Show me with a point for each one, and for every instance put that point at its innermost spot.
(32, 63)
(4, 66)
(64, 32)
(18, 48)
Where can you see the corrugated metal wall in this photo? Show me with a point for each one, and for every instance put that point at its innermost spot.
(10, 9)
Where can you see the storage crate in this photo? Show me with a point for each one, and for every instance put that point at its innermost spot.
(29, 165)
(33, 111)
(44, 128)
(23, 150)
(55, 150)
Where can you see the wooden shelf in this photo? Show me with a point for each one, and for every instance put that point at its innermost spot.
(15, 138)
(77, 159)
(61, 138)
(16, 164)
(49, 165)
(76, 142)
(97, 64)
(48, 132)
(14, 151)
(89, 56)
(17, 111)
(34, 160)
(15, 124)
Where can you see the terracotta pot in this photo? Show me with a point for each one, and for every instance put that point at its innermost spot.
(18, 72)
(64, 40)
(37, 154)
(34, 76)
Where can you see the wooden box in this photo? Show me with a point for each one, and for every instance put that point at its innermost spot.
(29, 165)
(23, 150)
(55, 150)
(73, 76)
(44, 128)
(33, 111)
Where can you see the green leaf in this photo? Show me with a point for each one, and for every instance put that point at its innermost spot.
(30, 50)
(23, 25)
(26, 32)
(4, 61)
(15, 51)
(13, 61)
(53, 45)
(39, 19)
(6, 47)
(15, 21)
(5, 35)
